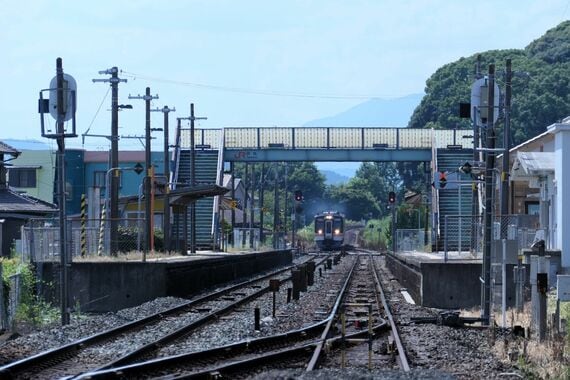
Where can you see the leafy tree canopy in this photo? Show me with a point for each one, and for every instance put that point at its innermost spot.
(540, 86)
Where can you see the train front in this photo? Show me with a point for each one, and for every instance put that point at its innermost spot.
(329, 231)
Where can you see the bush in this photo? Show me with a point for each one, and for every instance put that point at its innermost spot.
(128, 238)
(31, 308)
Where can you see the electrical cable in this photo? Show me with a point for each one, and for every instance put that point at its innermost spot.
(251, 91)
(98, 109)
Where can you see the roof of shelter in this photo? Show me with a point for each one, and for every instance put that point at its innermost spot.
(530, 164)
(5, 148)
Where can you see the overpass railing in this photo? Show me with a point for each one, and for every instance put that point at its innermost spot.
(325, 138)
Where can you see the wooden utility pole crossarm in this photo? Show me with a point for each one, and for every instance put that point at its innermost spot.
(114, 190)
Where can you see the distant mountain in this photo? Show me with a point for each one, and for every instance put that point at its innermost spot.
(27, 144)
(374, 112)
(333, 178)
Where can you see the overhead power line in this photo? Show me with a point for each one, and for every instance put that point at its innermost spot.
(242, 90)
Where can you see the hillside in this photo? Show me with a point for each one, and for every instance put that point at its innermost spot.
(540, 86)
(333, 178)
(374, 112)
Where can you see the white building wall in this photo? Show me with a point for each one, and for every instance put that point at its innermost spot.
(561, 133)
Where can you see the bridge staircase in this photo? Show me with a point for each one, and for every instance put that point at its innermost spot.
(206, 173)
(454, 199)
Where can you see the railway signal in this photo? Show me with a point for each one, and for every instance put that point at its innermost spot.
(392, 197)
(442, 179)
(298, 201)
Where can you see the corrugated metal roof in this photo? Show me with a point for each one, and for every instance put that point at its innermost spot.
(533, 163)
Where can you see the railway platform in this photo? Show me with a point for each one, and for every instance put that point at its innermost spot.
(433, 280)
(102, 286)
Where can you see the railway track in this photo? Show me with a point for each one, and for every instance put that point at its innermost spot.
(362, 308)
(83, 355)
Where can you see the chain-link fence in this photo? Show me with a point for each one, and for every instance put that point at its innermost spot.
(466, 233)
(408, 240)
(9, 301)
(41, 238)
(462, 233)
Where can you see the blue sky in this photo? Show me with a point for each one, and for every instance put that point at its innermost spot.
(351, 50)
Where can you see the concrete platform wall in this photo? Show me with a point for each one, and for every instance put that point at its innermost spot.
(111, 286)
(451, 285)
(408, 276)
(183, 280)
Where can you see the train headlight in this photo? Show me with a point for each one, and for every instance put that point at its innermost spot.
(337, 232)
(320, 232)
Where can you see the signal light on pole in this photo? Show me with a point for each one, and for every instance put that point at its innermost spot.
(298, 195)
(392, 197)
(442, 179)
(466, 168)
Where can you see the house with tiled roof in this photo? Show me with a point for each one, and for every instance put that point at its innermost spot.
(16, 208)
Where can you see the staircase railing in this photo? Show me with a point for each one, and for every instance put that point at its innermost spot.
(434, 193)
(176, 159)
(219, 182)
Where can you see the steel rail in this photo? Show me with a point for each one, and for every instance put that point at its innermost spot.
(313, 363)
(227, 351)
(400, 347)
(285, 353)
(119, 370)
(47, 358)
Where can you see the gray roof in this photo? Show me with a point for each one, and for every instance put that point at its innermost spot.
(5, 148)
(530, 164)
(13, 202)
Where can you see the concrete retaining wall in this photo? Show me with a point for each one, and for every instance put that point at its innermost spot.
(111, 286)
(451, 285)
(407, 275)
(183, 280)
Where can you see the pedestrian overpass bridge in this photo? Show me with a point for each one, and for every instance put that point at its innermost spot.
(343, 144)
(213, 148)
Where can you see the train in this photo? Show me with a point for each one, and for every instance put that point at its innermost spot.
(329, 230)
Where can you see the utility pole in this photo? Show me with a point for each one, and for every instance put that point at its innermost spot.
(114, 190)
(275, 208)
(166, 218)
(61, 195)
(233, 193)
(245, 204)
(149, 213)
(192, 118)
(489, 189)
(261, 199)
(476, 157)
(61, 105)
(506, 145)
(252, 209)
(286, 201)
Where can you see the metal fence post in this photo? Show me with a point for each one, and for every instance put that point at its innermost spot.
(3, 311)
(445, 239)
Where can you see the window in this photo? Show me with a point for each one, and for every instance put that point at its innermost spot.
(532, 208)
(99, 179)
(20, 177)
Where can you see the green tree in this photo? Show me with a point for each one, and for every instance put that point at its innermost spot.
(541, 87)
(354, 203)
